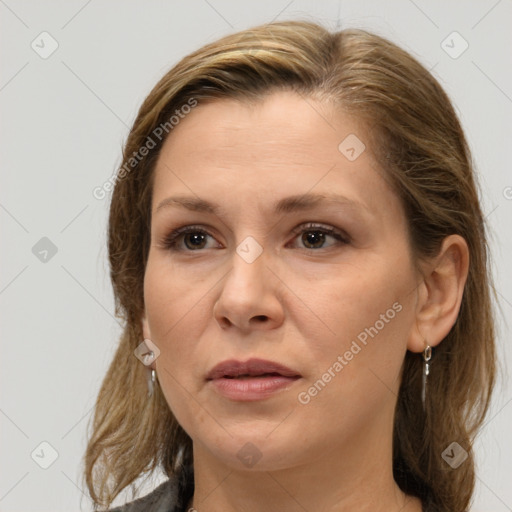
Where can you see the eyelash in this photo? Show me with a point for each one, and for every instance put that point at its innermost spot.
(170, 241)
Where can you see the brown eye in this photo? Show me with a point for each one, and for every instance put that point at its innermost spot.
(313, 239)
(194, 239)
(313, 236)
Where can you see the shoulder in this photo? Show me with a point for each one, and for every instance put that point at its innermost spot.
(162, 499)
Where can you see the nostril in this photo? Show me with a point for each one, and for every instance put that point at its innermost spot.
(226, 322)
(261, 318)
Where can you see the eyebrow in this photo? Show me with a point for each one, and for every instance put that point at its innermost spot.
(286, 205)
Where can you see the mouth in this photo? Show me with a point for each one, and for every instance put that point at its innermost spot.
(247, 376)
(233, 369)
(255, 379)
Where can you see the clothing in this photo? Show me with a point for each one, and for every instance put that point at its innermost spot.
(166, 498)
(162, 499)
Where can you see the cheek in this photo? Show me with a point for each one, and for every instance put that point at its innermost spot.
(362, 316)
(174, 330)
(173, 308)
(170, 297)
(356, 374)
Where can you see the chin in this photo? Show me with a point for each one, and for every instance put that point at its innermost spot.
(259, 448)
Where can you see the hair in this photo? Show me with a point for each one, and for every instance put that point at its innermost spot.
(421, 148)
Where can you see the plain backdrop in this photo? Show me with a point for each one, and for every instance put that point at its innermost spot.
(66, 111)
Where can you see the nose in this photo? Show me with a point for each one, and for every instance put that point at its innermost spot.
(249, 298)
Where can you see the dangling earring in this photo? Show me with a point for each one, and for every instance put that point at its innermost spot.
(147, 352)
(427, 354)
(151, 382)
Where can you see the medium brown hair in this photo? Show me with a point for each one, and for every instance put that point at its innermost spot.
(422, 150)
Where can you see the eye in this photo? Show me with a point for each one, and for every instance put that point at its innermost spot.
(193, 237)
(315, 235)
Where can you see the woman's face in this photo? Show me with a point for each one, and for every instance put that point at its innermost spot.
(305, 263)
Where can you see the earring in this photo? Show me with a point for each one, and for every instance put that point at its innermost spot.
(147, 352)
(427, 354)
(151, 382)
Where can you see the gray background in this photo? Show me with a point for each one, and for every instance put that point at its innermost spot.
(64, 119)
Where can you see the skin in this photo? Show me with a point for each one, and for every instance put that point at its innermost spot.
(300, 303)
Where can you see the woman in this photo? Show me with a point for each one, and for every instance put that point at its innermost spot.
(299, 255)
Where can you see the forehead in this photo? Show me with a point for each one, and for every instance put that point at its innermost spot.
(284, 144)
(281, 126)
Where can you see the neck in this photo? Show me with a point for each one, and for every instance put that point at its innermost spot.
(355, 476)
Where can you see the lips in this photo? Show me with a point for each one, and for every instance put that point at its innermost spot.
(253, 380)
(233, 369)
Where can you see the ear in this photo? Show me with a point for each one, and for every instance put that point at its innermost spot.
(147, 335)
(440, 294)
(145, 326)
